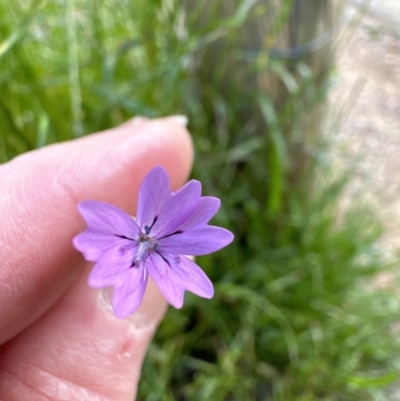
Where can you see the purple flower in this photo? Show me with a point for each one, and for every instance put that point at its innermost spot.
(168, 226)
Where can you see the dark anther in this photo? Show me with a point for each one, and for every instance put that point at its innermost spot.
(147, 230)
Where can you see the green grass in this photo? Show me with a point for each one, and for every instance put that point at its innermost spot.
(295, 317)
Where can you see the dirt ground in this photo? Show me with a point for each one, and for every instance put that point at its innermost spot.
(367, 100)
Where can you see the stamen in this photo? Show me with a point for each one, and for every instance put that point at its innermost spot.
(142, 253)
(146, 245)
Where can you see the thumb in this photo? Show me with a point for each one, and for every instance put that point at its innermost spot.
(39, 192)
(77, 349)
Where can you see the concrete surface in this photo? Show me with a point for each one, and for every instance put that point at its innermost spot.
(367, 98)
(386, 10)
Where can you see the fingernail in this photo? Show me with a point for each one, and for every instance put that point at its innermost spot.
(134, 121)
(138, 120)
(151, 310)
(179, 119)
(105, 298)
(149, 313)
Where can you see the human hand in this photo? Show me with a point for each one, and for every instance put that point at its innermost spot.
(59, 338)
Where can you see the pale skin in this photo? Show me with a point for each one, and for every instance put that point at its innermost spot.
(59, 339)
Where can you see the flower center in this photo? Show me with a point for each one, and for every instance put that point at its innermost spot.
(146, 245)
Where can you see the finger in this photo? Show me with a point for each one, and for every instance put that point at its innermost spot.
(38, 196)
(79, 350)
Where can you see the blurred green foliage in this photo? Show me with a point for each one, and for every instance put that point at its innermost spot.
(295, 317)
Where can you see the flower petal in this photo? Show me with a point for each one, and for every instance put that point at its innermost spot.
(199, 241)
(128, 295)
(112, 265)
(192, 277)
(106, 225)
(154, 193)
(177, 210)
(173, 275)
(206, 209)
(108, 219)
(94, 244)
(161, 273)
